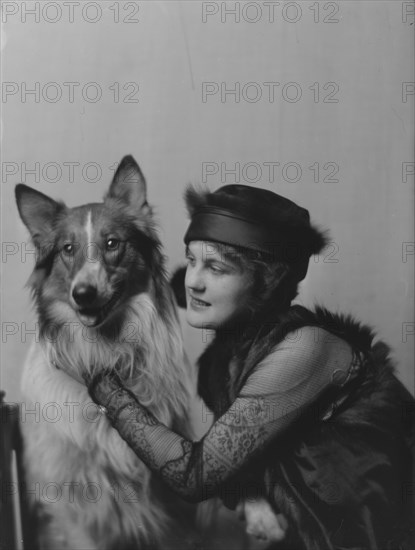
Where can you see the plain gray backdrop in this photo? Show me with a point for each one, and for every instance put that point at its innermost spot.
(321, 111)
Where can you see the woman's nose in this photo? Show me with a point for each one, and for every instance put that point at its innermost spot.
(194, 279)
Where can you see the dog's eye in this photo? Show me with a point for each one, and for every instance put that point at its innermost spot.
(68, 249)
(112, 244)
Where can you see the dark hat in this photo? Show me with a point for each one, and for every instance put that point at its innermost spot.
(254, 219)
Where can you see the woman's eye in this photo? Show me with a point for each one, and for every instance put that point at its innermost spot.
(112, 244)
(217, 268)
(68, 249)
(190, 260)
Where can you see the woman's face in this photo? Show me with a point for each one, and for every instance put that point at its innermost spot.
(217, 288)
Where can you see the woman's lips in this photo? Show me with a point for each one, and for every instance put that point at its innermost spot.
(195, 303)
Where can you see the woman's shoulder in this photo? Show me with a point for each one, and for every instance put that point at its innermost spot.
(310, 342)
(306, 356)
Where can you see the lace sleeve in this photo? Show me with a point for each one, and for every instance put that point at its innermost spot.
(195, 470)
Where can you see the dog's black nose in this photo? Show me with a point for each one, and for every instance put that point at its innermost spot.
(84, 295)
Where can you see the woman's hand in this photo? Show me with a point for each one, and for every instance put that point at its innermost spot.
(87, 375)
(261, 520)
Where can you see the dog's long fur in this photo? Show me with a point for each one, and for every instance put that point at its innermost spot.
(91, 489)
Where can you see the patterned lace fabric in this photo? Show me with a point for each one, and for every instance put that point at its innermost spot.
(286, 383)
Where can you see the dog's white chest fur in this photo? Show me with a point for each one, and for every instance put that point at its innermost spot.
(92, 488)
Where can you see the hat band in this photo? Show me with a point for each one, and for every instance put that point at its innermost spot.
(222, 226)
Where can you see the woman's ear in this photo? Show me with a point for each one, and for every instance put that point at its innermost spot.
(177, 284)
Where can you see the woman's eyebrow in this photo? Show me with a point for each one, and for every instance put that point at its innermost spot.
(224, 258)
(216, 255)
(232, 258)
(208, 261)
(229, 256)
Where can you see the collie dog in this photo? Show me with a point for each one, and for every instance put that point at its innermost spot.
(103, 299)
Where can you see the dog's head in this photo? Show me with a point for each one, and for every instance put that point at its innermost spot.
(91, 259)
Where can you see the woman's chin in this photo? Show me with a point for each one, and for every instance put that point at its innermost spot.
(199, 320)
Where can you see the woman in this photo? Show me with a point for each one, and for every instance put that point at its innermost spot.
(308, 413)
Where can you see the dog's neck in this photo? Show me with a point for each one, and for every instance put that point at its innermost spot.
(144, 366)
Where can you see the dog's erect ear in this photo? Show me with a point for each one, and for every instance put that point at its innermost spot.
(129, 185)
(37, 211)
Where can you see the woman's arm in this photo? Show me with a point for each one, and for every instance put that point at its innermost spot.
(290, 378)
